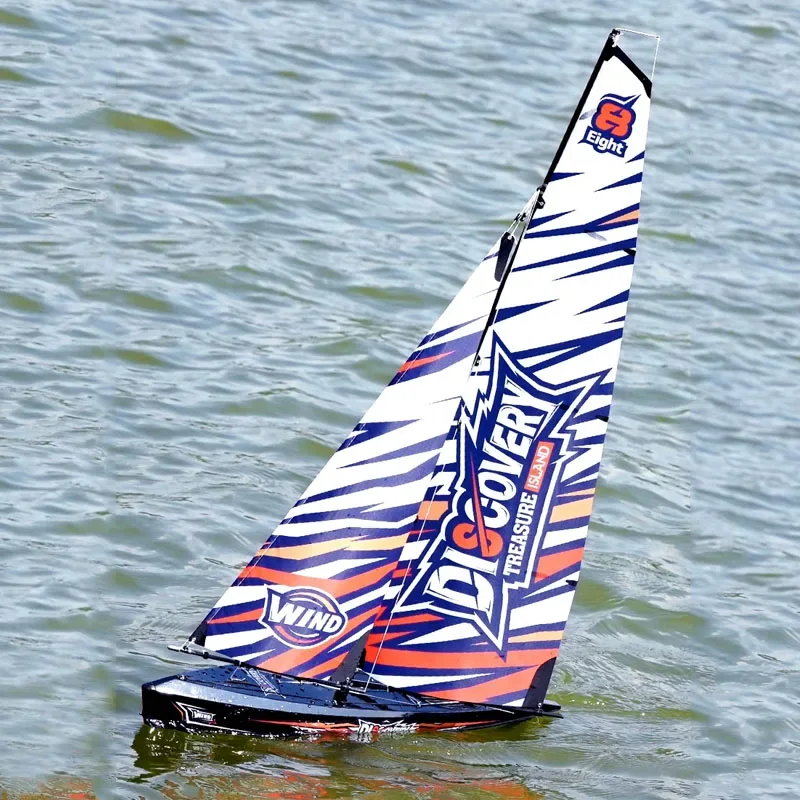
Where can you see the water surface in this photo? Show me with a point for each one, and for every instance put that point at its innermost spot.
(224, 226)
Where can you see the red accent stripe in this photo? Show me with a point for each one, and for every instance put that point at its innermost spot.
(414, 618)
(550, 565)
(421, 362)
(245, 616)
(476, 505)
(349, 727)
(461, 660)
(335, 586)
(323, 726)
(388, 635)
(484, 692)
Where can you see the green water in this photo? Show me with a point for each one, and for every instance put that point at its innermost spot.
(224, 225)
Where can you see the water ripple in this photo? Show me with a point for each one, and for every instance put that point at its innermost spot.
(225, 226)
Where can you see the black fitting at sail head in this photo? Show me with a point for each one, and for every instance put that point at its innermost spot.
(509, 243)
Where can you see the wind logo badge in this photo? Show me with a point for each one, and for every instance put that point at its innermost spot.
(302, 617)
(511, 452)
(612, 123)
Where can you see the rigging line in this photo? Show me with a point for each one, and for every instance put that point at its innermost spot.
(647, 36)
(655, 58)
(638, 33)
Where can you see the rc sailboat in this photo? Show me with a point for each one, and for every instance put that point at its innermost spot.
(424, 578)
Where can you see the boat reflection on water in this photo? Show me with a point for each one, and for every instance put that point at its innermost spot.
(201, 767)
(61, 787)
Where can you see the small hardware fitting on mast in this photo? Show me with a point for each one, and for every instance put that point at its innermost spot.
(617, 32)
(511, 238)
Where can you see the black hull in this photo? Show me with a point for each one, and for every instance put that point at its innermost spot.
(244, 700)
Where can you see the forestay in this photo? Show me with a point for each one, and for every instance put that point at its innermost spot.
(479, 601)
